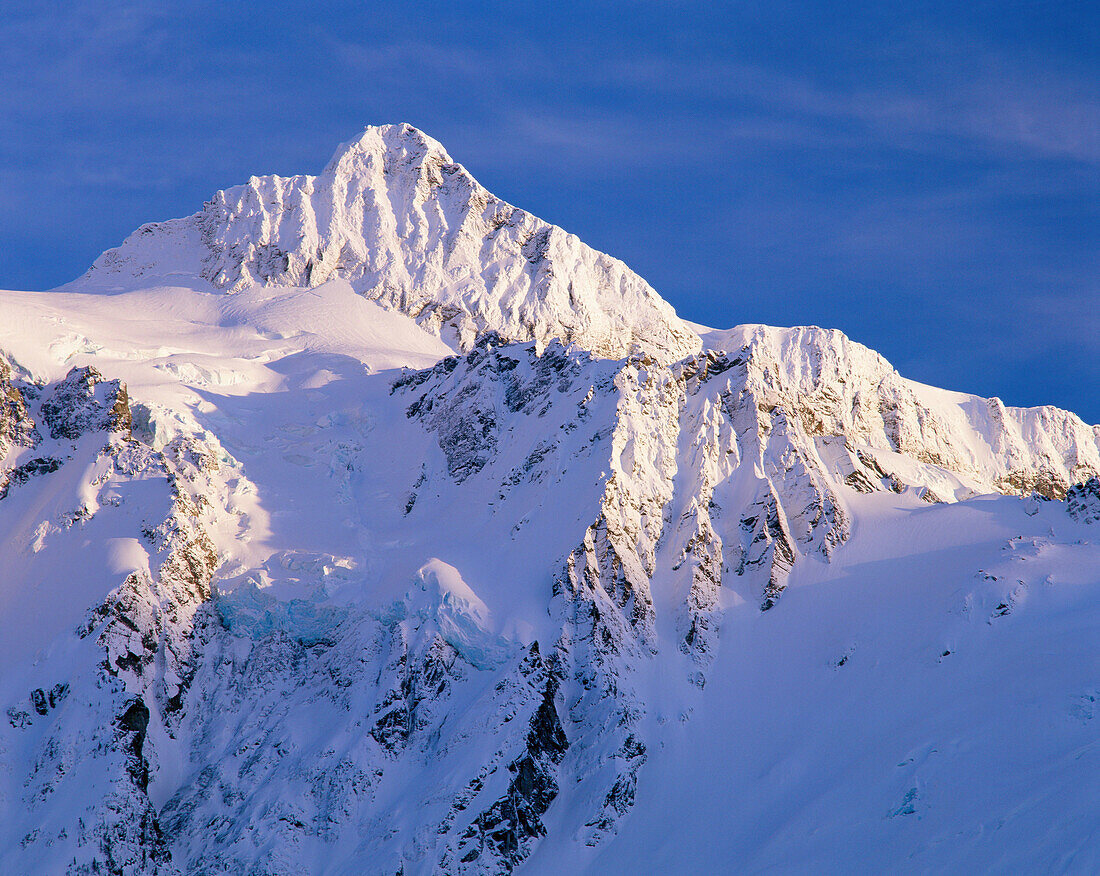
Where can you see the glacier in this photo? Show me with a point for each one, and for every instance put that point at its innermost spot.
(364, 523)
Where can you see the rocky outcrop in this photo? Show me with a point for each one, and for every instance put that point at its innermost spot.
(688, 461)
(469, 401)
(80, 404)
(1083, 501)
(501, 836)
(84, 402)
(144, 626)
(17, 427)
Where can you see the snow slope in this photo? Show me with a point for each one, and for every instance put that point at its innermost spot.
(925, 703)
(384, 536)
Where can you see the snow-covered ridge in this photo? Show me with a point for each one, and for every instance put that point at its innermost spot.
(411, 229)
(838, 388)
(393, 215)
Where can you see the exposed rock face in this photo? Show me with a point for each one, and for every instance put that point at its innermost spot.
(1083, 501)
(85, 402)
(674, 458)
(80, 404)
(17, 428)
(470, 408)
(739, 459)
(411, 229)
(72, 408)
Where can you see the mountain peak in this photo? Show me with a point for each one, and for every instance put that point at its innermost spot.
(409, 228)
(401, 141)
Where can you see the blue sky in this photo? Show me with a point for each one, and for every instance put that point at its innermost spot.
(925, 178)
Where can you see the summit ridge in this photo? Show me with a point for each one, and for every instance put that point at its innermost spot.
(393, 215)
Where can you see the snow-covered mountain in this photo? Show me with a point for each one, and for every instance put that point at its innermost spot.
(363, 523)
(393, 215)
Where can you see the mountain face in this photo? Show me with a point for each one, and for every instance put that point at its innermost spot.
(363, 523)
(394, 216)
